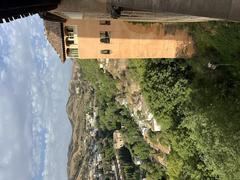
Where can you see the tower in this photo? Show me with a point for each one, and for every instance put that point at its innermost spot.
(129, 10)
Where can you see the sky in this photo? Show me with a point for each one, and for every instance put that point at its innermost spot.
(34, 129)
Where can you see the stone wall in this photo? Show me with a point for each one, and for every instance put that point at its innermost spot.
(222, 9)
(83, 6)
(141, 10)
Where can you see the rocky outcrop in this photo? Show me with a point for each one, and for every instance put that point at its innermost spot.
(80, 111)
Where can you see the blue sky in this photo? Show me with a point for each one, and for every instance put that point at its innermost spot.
(34, 128)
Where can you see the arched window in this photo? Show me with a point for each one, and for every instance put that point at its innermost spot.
(69, 41)
(105, 37)
(69, 30)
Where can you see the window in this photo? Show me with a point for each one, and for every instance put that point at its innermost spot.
(106, 51)
(70, 34)
(69, 31)
(69, 41)
(72, 52)
(105, 37)
(103, 22)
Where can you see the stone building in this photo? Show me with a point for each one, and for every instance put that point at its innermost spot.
(115, 39)
(150, 10)
(100, 28)
(134, 10)
(102, 39)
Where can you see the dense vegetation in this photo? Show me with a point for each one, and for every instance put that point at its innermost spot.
(112, 117)
(131, 171)
(196, 101)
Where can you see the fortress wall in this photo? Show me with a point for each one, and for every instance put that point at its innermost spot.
(222, 9)
(82, 6)
(183, 10)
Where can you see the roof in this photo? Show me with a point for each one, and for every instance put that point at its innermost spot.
(55, 35)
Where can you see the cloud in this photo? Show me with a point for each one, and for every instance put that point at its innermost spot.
(34, 129)
(2, 75)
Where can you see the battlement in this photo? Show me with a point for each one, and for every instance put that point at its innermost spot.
(15, 9)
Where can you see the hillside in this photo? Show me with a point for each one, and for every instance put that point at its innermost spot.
(178, 119)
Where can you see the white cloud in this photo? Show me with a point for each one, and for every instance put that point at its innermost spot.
(6, 159)
(34, 129)
(2, 75)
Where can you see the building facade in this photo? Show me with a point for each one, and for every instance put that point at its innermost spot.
(101, 39)
(89, 29)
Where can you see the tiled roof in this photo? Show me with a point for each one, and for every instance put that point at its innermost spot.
(55, 35)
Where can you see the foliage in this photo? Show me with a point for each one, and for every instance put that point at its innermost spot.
(108, 152)
(198, 107)
(103, 83)
(131, 171)
(111, 117)
(139, 148)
